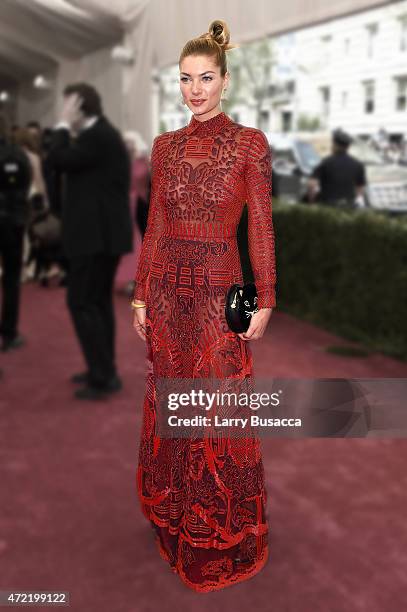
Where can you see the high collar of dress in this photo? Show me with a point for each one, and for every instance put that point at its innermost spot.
(209, 127)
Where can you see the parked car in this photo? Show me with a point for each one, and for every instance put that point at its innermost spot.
(293, 162)
(295, 158)
(387, 182)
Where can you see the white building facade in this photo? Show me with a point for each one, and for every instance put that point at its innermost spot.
(350, 72)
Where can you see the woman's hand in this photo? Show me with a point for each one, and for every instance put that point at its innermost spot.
(139, 320)
(257, 325)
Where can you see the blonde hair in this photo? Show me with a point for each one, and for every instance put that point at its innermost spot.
(214, 43)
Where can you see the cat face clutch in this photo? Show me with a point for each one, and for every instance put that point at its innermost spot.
(241, 304)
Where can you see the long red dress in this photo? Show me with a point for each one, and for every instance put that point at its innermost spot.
(205, 499)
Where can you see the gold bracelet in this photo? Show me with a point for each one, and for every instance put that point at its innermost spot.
(134, 305)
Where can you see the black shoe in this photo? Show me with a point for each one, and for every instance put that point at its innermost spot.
(80, 378)
(99, 391)
(114, 384)
(13, 343)
(89, 392)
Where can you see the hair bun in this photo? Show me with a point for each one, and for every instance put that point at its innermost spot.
(219, 32)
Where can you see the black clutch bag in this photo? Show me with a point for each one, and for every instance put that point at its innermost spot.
(241, 304)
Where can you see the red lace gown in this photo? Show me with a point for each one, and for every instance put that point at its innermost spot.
(206, 500)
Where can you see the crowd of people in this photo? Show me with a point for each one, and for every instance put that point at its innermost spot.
(73, 212)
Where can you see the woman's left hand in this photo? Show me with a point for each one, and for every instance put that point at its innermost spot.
(257, 325)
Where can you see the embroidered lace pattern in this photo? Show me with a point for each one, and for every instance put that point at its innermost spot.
(205, 498)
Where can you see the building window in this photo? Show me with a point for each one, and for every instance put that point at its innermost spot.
(371, 30)
(267, 72)
(344, 99)
(264, 123)
(326, 42)
(403, 33)
(401, 93)
(290, 87)
(325, 95)
(286, 121)
(369, 96)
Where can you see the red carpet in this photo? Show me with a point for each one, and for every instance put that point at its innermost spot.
(70, 518)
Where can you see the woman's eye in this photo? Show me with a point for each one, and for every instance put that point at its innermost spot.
(205, 78)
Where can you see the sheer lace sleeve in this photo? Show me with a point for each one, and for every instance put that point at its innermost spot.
(260, 225)
(155, 221)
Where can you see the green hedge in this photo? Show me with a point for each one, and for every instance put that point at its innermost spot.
(345, 271)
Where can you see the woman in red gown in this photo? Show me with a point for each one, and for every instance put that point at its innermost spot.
(205, 498)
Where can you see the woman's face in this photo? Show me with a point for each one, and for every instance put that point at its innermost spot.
(201, 84)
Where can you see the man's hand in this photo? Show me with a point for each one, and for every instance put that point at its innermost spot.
(71, 110)
(313, 185)
(257, 325)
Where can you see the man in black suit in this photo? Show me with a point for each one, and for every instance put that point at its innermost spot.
(341, 177)
(96, 228)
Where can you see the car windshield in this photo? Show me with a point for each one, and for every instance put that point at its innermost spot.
(365, 153)
(308, 155)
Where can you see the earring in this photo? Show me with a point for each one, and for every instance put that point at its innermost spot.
(223, 94)
(183, 100)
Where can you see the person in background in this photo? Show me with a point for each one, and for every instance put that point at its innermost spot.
(52, 177)
(15, 181)
(96, 229)
(139, 203)
(339, 179)
(28, 141)
(54, 183)
(14, 129)
(35, 131)
(37, 196)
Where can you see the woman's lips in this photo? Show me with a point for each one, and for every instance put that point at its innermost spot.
(197, 102)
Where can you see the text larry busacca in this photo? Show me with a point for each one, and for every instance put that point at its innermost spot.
(206, 401)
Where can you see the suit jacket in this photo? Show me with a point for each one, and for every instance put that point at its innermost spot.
(95, 207)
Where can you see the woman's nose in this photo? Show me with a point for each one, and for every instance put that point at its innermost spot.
(196, 88)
